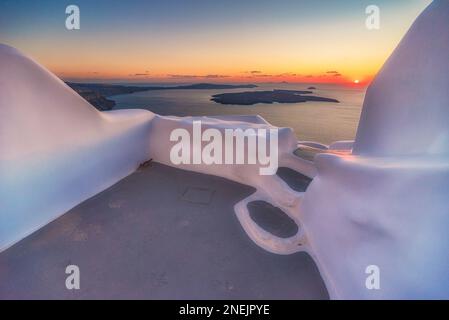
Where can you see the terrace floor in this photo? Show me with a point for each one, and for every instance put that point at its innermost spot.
(160, 233)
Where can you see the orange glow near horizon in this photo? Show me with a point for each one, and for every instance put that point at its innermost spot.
(289, 48)
(107, 61)
(212, 78)
(236, 58)
(196, 62)
(305, 67)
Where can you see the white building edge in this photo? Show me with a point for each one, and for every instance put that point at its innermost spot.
(385, 204)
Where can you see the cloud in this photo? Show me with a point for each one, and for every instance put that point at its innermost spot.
(334, 73)
(215, 76)
(253, 72)
(287, 74)
(182, 76)
(140, 74)
(259, 75)
(191, 76)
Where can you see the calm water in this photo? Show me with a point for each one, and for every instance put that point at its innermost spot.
(317, 121)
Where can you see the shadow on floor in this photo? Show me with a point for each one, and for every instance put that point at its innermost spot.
(160, 233)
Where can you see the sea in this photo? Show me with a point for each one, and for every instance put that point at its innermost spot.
(312, 121)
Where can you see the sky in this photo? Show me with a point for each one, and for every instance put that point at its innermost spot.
(207, 40)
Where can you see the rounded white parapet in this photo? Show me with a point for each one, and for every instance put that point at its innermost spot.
(406, 109)
(375, 220)
(56, 150)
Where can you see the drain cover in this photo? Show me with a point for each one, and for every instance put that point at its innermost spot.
(198, 195)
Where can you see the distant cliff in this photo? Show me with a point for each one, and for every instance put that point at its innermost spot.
(96, 94)
(95, 98)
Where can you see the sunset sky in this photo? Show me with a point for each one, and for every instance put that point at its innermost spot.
(213, 41)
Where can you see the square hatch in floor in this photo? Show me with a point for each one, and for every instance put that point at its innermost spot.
(198, 195)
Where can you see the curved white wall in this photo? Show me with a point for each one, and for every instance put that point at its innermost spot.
(56, 150)
(406, 109)
(386, 205)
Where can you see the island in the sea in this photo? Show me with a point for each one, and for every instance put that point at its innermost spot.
(97, 93)
(268, 97)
